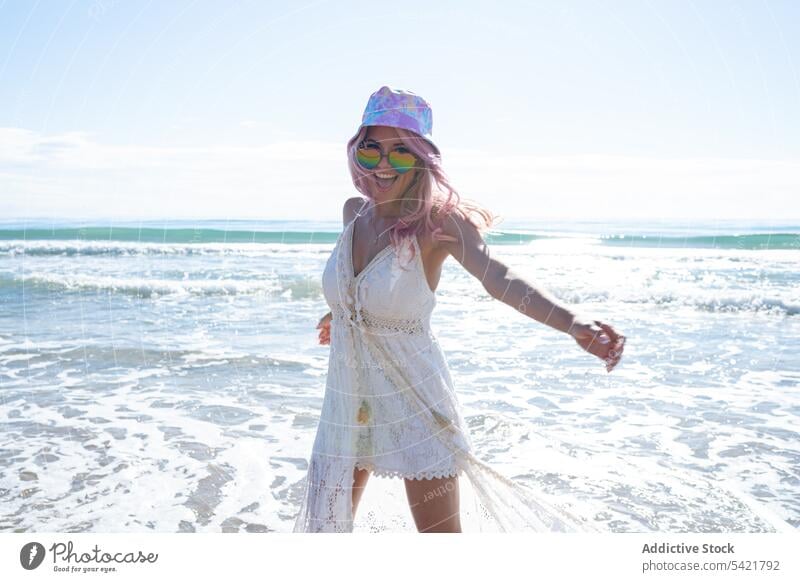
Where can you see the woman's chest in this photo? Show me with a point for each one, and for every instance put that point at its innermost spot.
(393, 285)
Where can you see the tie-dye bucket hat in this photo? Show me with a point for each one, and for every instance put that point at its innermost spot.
(400, 109)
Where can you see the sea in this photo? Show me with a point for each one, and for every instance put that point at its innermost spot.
(167, 375)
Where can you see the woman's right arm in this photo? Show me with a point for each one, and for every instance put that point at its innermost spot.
(349, 211)
(324, 327)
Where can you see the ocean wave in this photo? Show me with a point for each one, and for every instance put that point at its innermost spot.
(732, 303)
(131, 240)
(62, 248)
(685, 295)
(286, 287)
(751, 303)
(167, 235)
(762, 241)
(309, 287)
(123, 356)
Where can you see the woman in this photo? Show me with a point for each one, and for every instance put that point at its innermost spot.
(389, 406)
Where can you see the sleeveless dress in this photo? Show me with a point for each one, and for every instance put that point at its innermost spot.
(390, 407)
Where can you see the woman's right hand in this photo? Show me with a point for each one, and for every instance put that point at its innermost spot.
(324, 327)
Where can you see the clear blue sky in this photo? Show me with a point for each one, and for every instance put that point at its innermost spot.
(241, 109)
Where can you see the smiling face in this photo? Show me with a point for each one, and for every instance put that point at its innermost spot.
(395, 183)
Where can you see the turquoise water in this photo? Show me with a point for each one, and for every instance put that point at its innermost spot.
(166, 375)
(716, 236)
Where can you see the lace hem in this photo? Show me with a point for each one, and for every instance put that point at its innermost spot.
(419, 475)
(410, 326)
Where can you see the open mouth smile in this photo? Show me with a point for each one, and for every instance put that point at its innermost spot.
(384, 181)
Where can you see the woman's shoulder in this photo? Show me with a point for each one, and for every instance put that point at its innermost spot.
(351, 207)
(453, 222)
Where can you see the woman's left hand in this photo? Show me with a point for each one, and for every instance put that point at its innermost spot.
(600, 339)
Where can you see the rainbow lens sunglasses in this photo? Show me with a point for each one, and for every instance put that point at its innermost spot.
(369, 155)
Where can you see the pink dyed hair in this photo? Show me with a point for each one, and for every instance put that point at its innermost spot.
(425, 195)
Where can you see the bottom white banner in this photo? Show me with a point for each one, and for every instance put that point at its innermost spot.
(403, 556)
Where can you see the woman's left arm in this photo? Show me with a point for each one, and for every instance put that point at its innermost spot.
(503, 284)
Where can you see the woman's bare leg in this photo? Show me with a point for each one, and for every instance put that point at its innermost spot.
(434, 504)
(360, 477)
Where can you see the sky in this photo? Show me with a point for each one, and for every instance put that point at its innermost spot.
(640, 110)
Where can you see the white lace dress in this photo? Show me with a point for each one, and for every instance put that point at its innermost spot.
(390, 406)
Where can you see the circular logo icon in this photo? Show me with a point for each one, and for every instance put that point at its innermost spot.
(31, 555)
